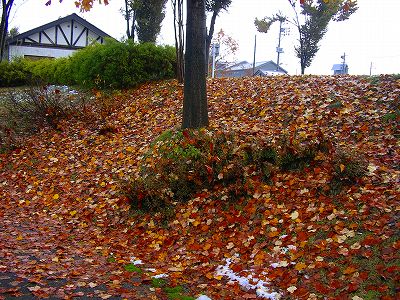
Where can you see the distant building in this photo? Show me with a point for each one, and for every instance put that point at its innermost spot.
(244, 68)
(55, 39)
(339, 69)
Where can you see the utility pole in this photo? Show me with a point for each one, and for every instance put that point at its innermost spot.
(370, 69)
(343, 63)
(279, 49)
(215, 53)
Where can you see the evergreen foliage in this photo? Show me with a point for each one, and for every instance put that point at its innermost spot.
(113, 65)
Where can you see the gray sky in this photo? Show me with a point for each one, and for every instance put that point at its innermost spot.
(371, 35)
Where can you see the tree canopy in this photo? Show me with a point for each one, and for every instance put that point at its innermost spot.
(311, 18)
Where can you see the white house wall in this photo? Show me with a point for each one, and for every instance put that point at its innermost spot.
(56, 39)
(18, 51)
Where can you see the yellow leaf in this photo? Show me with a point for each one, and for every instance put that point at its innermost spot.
(210, 275)
(207, 246)
(56, 196)
(103, 184)
(300, 266)
(73, 213)
(55, 259)
(19, 237)
(342, 167)
(151, 224)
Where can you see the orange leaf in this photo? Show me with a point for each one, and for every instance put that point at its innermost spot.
(273, 233)
(300, 266)
(349, 270)
(207, 246)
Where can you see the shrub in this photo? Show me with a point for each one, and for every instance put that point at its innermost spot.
(108, 66)
(14, 73)
(349, 166)
(296, 154)
(23, 112)
(122, 65)
(182, 163)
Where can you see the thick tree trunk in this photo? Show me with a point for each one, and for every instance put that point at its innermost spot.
(195, 110)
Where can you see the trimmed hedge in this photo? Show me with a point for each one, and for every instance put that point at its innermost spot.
(14, 73)
(112, 65)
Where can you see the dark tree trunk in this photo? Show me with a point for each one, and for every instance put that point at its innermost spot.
(195, 110)
(5, 14)
(130, 18)
(177, 6)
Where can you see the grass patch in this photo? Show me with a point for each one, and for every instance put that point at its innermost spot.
(176, 293)
(133, 268)
(158, 282)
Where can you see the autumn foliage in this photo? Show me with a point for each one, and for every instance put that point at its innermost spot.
(293, 187)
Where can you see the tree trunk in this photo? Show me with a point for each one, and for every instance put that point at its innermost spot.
(195, 110)
(177, 6)
(6, 9)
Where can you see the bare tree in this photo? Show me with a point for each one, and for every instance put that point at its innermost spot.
(312, 26)
(129, 14)
(5, 15)
(214, 6)
(177, 7)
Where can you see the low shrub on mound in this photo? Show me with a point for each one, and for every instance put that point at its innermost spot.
(181, 163)
(103, 66)
(14, 73)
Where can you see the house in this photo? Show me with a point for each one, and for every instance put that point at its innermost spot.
(340, 69)
(56, 39)
(244, 68)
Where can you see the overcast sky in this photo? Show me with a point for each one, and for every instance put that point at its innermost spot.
(370, 36)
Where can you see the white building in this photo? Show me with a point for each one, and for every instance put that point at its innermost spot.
(56, 39)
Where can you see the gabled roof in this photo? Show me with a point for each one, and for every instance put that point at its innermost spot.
(265, 66)
(339, 67)
(73, 17)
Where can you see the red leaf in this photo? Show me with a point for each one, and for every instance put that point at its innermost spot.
(209, 169)
(352, 287)
(321, 288)
(186, 134)
(302, 236)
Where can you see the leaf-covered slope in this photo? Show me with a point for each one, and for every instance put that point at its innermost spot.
(63, 216)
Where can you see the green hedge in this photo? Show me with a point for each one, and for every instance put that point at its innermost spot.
(14, 73)
(112, 65)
